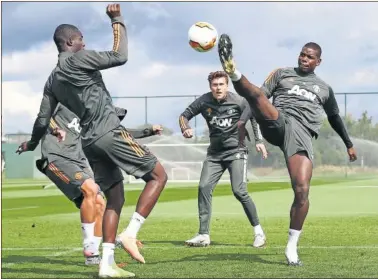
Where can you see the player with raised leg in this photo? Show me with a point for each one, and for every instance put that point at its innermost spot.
(291, 121)
(77, 83)
(226, 114)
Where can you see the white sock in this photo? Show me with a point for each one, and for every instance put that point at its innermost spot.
(87, 230)
(236, 75)
(293, 238)
(107, 254)
(97, 242)
(134, 226)
(258, 230)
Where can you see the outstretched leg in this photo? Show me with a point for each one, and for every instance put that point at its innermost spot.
(300, 170)
(256, 98)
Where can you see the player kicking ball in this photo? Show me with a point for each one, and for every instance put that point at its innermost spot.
(65, 164)
(291, 121)
(226, 114)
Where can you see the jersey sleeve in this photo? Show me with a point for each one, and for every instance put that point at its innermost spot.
(246, 111)
(256, 131)
(141, 133)
(192, 110)
(271, 83)
(99, 60)
(330, 106)
(41, 124)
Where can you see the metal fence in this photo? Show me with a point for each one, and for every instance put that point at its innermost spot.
(165, 110)
(330, 156)
(360, 110)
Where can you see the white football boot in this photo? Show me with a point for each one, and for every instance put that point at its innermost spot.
(292, 256)
(200, 240)
(260, 241)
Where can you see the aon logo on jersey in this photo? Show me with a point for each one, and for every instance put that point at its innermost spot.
(75, 125)
(296, 90)
(221, 122)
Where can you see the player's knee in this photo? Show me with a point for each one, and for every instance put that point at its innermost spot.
(115, 203)
(158, 174)
(163, 177)
(89, 189)
(240, 195)
(204, 188)
(301, 191)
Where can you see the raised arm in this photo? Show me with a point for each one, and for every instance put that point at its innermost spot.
(192, 110)
(93, 60)
(332, 110)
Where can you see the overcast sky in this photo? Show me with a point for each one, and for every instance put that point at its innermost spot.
(265, 35)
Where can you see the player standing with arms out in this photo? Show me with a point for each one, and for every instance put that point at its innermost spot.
(291, 121)
(226, 114)
(65, 164)
(77, 83)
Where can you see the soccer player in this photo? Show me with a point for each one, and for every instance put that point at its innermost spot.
(291, 121)
(76, 82)
(65, 164)
(226, 114)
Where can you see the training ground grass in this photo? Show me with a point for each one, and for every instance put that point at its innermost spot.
(41, 235)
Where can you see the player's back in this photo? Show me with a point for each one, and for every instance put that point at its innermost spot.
(83, 91)
(301, 96)
(222, 120)
(71, 147)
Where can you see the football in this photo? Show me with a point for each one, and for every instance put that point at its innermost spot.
(202, 36)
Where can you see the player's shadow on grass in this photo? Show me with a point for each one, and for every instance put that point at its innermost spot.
(224, 257)
(173, 242)
(28, 264)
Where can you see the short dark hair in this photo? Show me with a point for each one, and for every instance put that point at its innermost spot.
(63, 33)
(314, 46)
(217, 74)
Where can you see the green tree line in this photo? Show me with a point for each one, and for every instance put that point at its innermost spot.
(329, 148)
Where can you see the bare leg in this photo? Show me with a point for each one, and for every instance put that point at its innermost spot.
(115, 200)
(300, 170)
(92, 251)
(155, 183)
(88, 206)
(88, 216)
(100, 209)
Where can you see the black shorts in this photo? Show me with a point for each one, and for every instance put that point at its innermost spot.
(117, 150)
(288, 134)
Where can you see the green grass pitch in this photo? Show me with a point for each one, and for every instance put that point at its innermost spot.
(41, 235)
